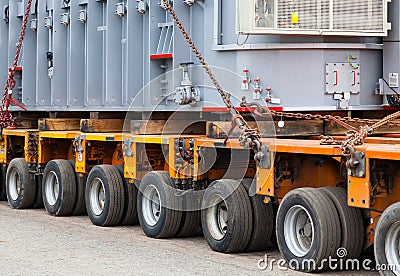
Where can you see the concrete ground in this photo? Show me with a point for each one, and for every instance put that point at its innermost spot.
(34, 243)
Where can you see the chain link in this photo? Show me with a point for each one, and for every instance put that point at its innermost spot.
(6, 119)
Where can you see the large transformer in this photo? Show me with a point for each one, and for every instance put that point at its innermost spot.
(291, 55)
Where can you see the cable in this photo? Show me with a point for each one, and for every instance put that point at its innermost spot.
(391, 88)
(244, 42)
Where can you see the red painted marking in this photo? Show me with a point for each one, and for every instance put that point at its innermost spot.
(275, 108)
(354, 78)
(240, 109)
(18, 68)
(161, 56)
(337, 78)
(388, 107)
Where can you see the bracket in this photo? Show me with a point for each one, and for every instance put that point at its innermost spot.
(120, 9)
(263, 158)
(127, 147)
(357, 164)
(78, 144)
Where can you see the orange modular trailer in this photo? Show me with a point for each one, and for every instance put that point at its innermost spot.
(178, 185)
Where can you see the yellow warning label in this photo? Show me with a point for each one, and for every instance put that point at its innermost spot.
(295, 18)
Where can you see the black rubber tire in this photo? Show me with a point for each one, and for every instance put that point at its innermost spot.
(80, 204)
(351, 222)
(38, 204)
(129, 214)
(239, 216)
(389, 218)
(26, 197)
(327, 230)
(263, 219)
(114, 195)
(190, 225)
(65, 200)
(191, 214)
(3, 192)
(170, 216)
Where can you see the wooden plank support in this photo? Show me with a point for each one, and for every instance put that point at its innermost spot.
(27, 123)
(152, 127)
(332, 128)
(218, 129)
(65, 124)
(101, 125)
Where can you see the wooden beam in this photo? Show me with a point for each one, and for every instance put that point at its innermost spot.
(29, 123)
(141, 127)
(59, 124)
(101, 125)
(332, 128)
(218, 129)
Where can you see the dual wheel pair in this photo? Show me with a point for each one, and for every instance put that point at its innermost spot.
(111, 200)
(314, 225)
(231, 220)
(105, 195)
(317, 224)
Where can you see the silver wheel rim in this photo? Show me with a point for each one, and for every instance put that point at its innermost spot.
(51, 188)
(97, 196)
(298, 231)
(151, 205)
(217, 218)
(14, 184)
(392, 247)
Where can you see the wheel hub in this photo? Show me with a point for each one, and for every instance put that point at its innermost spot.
(298, 230)
(151, 205)
(51, 188)
(97, 196)
(392, 247)
(218, 218)
(14, 185)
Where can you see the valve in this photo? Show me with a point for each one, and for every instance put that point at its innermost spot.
(246, 80)
(270, 98)
(257, 89)
(269, 95)
(186, 93)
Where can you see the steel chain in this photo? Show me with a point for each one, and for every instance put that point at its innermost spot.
(6, 119)
(251, 137)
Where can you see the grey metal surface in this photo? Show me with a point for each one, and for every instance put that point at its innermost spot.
(102, 58)
(391, 50)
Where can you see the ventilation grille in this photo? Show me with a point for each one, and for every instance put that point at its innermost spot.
(311, 14)
(359, 15)
(318, 17)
